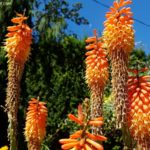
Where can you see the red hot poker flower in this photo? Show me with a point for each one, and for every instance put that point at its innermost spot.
(82, 139)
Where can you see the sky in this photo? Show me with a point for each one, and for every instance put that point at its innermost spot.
(95, 14)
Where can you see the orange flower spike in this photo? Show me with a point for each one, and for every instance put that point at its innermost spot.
(96, 61)
(35, 126)
(118, 36)
(139, 106)
(119, 19)
(96, 73)
(17, 45)
(19, 40)
(78, 140)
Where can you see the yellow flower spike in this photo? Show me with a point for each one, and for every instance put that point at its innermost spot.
(35, 126)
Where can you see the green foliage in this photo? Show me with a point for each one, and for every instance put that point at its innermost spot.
(114, 136)
(3, 82)
(51, 18)
(138, 58)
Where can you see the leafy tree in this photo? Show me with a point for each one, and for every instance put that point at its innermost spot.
(51, 18)
(139, 58)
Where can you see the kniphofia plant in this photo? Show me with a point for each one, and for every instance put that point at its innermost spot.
(139, 107)
(96, 74)
(35, 125)
(83, 139)
(17, 46)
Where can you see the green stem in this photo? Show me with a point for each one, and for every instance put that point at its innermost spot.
(129, 143)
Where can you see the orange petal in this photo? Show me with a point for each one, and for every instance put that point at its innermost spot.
(19, 19)
(63, 141)
(82, 142)
(127, 2)
(13, 28)
(95, 122)
(116, 5)
(121, 3)
(75, 119)
(90, 52)
(95, 144)
(77, 134)
(144, 78)
(96, 137)
(90, 46)
(87, 147)
(69, 145)
(90, 39)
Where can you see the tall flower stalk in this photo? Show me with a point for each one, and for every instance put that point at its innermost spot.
(96, 75)
(35, 126)
(118, 36)
(139, 107)
(17, 46)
